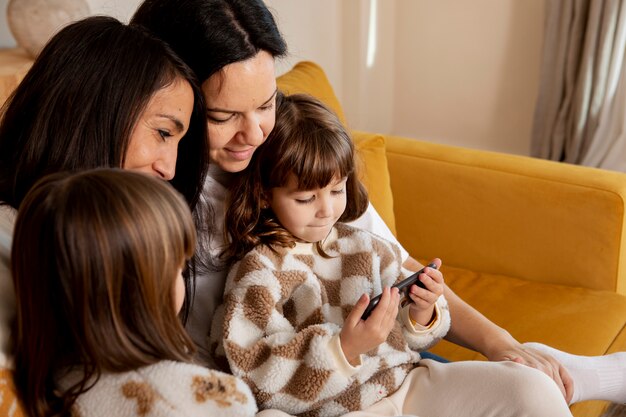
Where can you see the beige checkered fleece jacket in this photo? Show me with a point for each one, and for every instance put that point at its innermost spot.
(283, 312)
(167, 389)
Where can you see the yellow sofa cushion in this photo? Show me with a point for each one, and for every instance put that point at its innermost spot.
(374, 174)
(579, 320)
(309, 78)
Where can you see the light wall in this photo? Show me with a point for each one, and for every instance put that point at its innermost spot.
(461, 73)
(467, 73)
(121, 9)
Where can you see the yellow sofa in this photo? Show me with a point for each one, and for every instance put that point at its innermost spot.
(536, 246)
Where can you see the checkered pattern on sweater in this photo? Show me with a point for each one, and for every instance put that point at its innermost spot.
(283, 313)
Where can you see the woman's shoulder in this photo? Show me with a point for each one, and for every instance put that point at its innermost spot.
(168, 388)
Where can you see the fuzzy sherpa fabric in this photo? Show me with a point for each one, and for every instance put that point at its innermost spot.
(167, 389)
(283, 312)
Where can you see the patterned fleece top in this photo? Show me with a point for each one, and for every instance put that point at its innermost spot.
(165, 389)
(283, 313)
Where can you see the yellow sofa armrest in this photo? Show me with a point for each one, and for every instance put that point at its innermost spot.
(510, 215)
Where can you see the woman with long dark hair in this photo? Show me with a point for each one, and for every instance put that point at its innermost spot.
(100, 94)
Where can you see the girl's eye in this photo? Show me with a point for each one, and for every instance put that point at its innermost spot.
(164, 134)
(338, 192)
(305, 201)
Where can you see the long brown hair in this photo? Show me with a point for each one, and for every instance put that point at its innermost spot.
(78, 104)
(308, 142)
(94, 260)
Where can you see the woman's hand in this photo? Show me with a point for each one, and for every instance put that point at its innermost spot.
(422, 308)
(541, 361)
(360, 336)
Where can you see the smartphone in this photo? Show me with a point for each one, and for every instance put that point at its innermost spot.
(403, 286)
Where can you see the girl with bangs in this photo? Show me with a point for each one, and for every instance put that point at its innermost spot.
(291, 324)
(104, 284)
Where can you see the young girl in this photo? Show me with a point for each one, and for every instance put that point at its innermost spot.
(292, 323)
(97, 301)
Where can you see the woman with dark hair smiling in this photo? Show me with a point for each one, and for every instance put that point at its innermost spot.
(231, 46)
(100, 94)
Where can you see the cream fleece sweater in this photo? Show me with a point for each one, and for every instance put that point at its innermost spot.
(283, 312)
(166, 389)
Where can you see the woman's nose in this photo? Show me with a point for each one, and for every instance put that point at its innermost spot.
(252, 131)
(165, 166)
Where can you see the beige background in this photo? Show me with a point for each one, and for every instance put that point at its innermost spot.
(448, 71)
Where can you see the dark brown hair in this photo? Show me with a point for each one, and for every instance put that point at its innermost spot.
(211, 34)
(77, 106)
(94, 260)
(308, 142)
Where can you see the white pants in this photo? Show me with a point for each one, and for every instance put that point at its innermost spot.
(469, 389)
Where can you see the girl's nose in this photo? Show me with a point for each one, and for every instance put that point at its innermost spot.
(325, 208)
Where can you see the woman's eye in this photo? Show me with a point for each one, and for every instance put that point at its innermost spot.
(338, 192)
(164, 134)
(269, 106)
(218, 120)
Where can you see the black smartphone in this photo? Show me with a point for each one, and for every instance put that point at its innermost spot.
(403, 286)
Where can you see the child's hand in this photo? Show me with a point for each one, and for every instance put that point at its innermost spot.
(422, 308)
(360, 336)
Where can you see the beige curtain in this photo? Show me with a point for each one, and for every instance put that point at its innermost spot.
(581, 107)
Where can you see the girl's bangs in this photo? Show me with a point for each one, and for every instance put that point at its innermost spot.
(322, 160)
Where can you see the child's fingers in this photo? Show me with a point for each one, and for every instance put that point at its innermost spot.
(424, 298)
(433, 274)
(432, 286)
(437, 263)
(357, 311)
(423, 301)
(378, 315)
(384, 316)
(432, 291)
(392, 307)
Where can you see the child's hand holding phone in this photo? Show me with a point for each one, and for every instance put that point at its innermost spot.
(404, 287)
(360, 336)
(422, 308)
